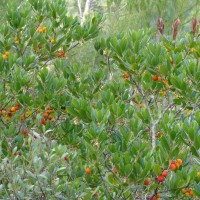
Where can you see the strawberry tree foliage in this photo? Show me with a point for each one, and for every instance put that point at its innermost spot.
(123, 127)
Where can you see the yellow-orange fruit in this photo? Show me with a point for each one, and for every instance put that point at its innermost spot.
(3, 112)
(179, 161)
(12, 109)
(22, 117)
(4, 56)
(159, 78)
(158, 195)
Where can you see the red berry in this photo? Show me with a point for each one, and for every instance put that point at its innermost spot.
(43, 122)
(160, 179)
(66, 158)
(146, 182)
(165, 173)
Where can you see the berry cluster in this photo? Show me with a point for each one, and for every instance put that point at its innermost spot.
(10, 112)
(42, 29)
(5, 55)
(188, 192)
(46, 116)
(60, 54)
(175, 164)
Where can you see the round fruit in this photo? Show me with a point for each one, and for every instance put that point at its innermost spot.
(146, 182)
(165, 173)
(159, 78)
(155, 78)
(160, 179)
(12, 109)
(17, 107)
(45, 115)
(88, 170)
(172, 167)
(198, 174)
(3, 112)
(179, 161)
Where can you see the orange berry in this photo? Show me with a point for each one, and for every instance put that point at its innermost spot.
(172, 167)
(17, 107)
(158, 195)
(22, 117)
(45, 115)
(7, 118)
(155, 77)
(49, 111)
(159, 78)
(160, 179)
(191, 193)
(88, 170)
(165, 173)
(179, 161)
(3, 112)
(12, 109)
(177, 165)
(57, 54)
(187, 194)
(40, 29)
(43, 121)
(126, 76)
(44, 29)
(4, 56)
(198, 174)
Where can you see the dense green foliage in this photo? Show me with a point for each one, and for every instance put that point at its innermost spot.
(106, 126)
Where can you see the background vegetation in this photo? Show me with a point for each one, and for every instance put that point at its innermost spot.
(97, 103)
